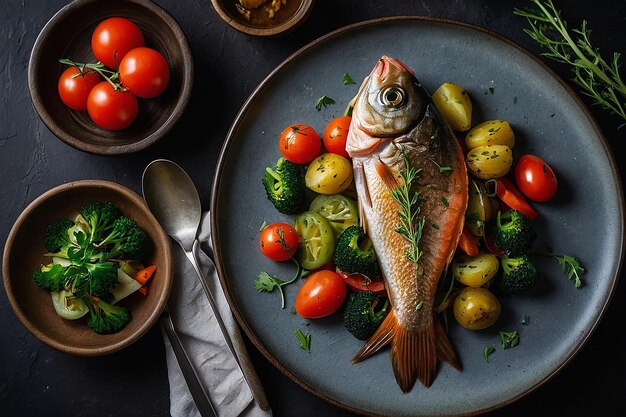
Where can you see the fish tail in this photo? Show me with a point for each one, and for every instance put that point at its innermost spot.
(413, 355)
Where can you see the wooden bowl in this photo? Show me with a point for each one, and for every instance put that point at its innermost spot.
(24, 252)
(294, 14)
(68, 35)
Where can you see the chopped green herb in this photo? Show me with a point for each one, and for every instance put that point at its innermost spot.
(487, 352)
(263, 226)
(491, 90)
(526, 320)
(442, 169)
(347, 80)
(419, 305)
(445, 201)
(571, 267)
(435, 226)
(509, 339)
(304, 339)
(323, 101)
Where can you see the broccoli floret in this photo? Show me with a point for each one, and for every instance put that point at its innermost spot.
(363, 314)
(102, 278)
(127, 239)
(106, 318)
(355, 254)
(99, 217)
(284, 186)
(514, 232)
(518, 274)
(52, 277)
(56, 235)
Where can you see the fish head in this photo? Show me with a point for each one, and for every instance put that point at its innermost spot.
(390, 102)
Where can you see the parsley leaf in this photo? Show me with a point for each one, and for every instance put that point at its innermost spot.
(571, 267)
(323, 101)
(304, 339)
(487, 352)
(509, 339)
(267, 283)
(347, 80)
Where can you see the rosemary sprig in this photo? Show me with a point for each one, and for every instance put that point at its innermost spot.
(598, 79)
(410, 227)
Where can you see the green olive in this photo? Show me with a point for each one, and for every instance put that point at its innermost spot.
(476, 308)
(475, 271)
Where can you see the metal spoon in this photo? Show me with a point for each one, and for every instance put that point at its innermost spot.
(174, 201)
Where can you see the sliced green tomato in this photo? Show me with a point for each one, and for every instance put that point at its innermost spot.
(317, 240)
(478, 209)
(126, 285)
(340, 211)
(67, 305)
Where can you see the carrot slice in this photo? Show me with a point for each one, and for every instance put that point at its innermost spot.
(512, 197)
(144, 290)
(468, 243)
(145, 274)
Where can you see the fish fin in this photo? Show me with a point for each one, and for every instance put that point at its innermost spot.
(382, 337)
(414, 356)
(445, 350)
(386, 176)
(364, 197)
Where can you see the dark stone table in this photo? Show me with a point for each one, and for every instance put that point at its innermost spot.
(38, 381)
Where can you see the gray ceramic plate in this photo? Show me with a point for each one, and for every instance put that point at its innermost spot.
(585, 219)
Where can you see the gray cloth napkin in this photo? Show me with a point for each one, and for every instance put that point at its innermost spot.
(200, 335)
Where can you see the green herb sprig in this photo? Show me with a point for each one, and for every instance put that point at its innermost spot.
(509, 339)
(598, 79)
(571, 267)
(323, 101)
(410, 227)
(267, 283)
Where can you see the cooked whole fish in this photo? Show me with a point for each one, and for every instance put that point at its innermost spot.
(394, 122)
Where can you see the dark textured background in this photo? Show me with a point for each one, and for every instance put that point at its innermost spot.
(37, 380)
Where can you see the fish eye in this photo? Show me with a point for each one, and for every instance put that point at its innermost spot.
(392, 97)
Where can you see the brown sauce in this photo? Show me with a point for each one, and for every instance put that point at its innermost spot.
(259, 17)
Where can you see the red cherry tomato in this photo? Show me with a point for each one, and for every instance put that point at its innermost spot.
(299, 144)
(74, 88)
(512, 197)
(110, 109)
(144, 72)
(535, 178)
(321, 295)
(335, 135)
(358, 282)
(113, 38)
(279, 241)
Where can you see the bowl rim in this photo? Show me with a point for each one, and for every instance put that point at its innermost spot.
(305, 9)
(167, 272)
(34, 65)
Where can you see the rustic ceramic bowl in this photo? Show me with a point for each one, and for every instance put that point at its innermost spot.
(68, 35)
(286, 20)
(24, 251)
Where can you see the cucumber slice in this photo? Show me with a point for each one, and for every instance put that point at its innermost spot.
(340, 211)
(317, 240)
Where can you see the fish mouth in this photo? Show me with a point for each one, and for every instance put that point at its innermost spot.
(384, 65)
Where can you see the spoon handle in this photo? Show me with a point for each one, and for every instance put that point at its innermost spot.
(198, 393)
(233, 339)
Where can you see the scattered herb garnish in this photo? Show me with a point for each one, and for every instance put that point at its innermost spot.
(598, 79)
(509, 339)
(262, 226)
(419, 305)
(410, 227)
(347, 80)
(304, 339)
(323, 101)
(490, 90)
(487, 352)
(266, 283)
(572, 268)
(526, 320)
(442, 169)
